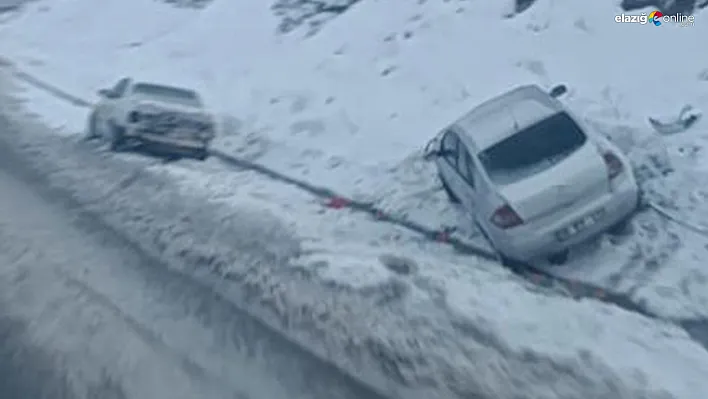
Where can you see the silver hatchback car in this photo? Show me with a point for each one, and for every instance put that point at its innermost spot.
(534, 178)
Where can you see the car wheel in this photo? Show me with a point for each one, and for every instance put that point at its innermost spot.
(510, 263)
(202, 154)
(503, 259)
(559, 258)
(91, 132)
(449, 192)
(117, 138)
(620, 228)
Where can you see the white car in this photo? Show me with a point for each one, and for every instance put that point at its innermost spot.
(535, 179)
(171, 119)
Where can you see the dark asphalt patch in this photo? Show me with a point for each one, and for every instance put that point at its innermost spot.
(25, 370)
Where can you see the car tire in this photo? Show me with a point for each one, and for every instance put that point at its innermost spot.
(117, 138)
(202, 154)
(510, 263)
(559, 258)
(448, 191)
(623, 227)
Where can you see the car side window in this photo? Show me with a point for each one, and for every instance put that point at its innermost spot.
(465, 166)
(120, 87)
(449, 147)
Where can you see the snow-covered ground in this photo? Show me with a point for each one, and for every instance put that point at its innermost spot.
(351, 107)
(453, 323)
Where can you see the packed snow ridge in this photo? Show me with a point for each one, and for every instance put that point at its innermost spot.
(350, 108)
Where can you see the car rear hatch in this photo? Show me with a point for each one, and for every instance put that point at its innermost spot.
(573, 183)
(165, 118)
(547, 167)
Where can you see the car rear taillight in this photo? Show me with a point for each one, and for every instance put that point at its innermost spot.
(505, 217)
(613, 163)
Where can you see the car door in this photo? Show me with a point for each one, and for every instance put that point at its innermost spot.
(447, 159)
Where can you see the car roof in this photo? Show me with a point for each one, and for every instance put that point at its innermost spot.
(504, 115)
(135, 82)
(150, 78)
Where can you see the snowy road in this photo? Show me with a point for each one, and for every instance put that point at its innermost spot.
(88, 315)
(405, 314)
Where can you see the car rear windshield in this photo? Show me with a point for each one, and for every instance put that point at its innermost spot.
(167, 93)
(532, 150)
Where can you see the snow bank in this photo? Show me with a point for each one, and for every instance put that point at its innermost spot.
(451, 330)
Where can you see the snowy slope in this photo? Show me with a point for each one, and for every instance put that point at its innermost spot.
(43, 36)
(351, 107)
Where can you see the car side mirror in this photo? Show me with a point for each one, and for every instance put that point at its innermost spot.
(107, 93)
(432, 149)
(558, 90)
(430, 155)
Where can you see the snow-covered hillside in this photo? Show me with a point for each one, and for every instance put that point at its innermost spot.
(351, 107)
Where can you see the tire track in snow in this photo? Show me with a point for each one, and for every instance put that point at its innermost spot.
(149, 336)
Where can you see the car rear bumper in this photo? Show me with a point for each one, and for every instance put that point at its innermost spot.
(184, 144)
(531, 242)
